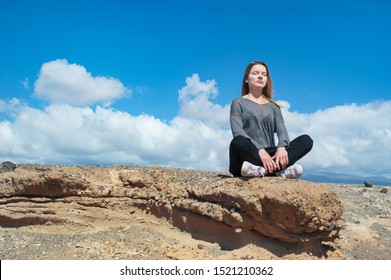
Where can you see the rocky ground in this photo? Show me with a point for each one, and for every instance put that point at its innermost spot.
(367, 231)
(57, 212)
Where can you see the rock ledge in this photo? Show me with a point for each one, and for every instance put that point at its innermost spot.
(210, 206)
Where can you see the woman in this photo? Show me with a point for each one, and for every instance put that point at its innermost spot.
(255, 118)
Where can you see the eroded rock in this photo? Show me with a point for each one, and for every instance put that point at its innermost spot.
(210, 206)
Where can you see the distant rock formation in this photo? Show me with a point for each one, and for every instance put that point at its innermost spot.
(209, 205)
(7, 166)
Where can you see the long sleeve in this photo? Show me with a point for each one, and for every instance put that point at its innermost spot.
(282, 133)
(258, 122)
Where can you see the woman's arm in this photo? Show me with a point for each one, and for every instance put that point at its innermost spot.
(281, 155)
(280, 129)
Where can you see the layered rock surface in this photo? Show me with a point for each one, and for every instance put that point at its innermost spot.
(216, 208)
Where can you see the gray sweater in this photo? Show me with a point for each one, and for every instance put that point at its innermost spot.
(258, 122)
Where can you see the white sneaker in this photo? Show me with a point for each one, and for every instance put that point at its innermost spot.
(291, 172)
(251, 170)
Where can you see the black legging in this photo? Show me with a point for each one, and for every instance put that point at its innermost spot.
(242, 149)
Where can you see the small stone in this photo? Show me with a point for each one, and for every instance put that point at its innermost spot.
(362, 191)
(368, 184)
(127, 228)
(200, 246)
(384, 190)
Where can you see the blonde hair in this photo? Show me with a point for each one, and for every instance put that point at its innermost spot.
(267, 91)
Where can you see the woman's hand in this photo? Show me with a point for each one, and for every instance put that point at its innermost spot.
(267, 161)
(281, 158)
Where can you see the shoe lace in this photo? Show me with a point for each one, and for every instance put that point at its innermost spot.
(289, 170)
(257, 170)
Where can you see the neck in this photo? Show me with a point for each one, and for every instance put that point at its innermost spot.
(256, 94)
(257, 97)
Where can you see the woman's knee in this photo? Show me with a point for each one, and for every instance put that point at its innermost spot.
(307, 142)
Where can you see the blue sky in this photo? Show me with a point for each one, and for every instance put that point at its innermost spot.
(324, 57)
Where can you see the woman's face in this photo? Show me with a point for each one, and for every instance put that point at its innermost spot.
(257, 78)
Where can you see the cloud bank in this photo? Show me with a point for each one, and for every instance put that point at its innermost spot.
(350, 139)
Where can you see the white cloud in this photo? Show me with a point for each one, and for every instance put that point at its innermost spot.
(61, 82)
(195, 103)
(350, 139)
(11, 106)
(26, 84)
